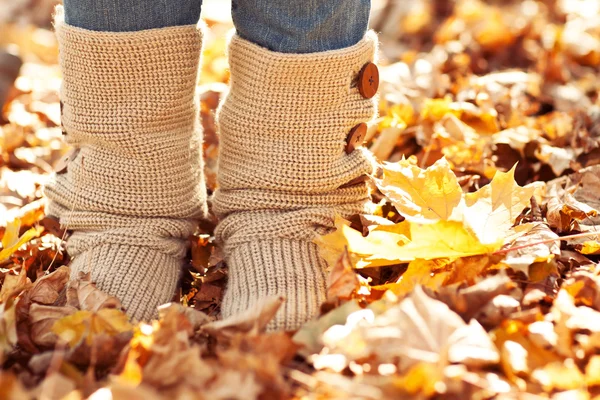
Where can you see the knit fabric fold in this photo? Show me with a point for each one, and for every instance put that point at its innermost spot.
(283, 167)
(135, 190)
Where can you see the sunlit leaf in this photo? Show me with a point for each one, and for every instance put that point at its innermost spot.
(421, 195)
(6, 252)
(86, 325)
(493, 209)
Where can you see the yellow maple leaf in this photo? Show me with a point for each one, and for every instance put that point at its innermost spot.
(423, 196)
(371, 251)
(589, 247)
(85, 325)
(491, 211)
(442, 223)
(427, 273)
(11, 233)
(11, 240)
(468, 269)
(402, 242)
(444, 239)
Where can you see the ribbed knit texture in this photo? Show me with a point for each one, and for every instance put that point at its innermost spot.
(135, 191)
(283, 128)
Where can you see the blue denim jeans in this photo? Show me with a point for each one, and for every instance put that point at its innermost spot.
(287, 26)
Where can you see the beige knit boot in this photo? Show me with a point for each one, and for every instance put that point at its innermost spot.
(135, 190)
(285, 168)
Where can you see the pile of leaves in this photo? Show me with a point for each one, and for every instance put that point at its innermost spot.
(477, 276)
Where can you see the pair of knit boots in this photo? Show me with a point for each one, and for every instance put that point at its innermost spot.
(133, 191)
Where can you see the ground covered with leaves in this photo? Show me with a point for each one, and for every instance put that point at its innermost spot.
(478, 276)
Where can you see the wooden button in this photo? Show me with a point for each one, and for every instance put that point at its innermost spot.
(356, 137)
(368, 80)
(62, 164)
(52, 225)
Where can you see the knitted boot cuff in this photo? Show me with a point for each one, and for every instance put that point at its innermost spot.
(136, 183)
(283, 127)
(129, 106)
(283, 168)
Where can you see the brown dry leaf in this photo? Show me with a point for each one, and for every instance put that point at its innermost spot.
(468, 301)
(452, 130)
(584, 287)
(234, 385)
(517, 138)
(163, 356)
(309, 336)
(252, 321)
(569, 320)
(183, 317)
(391, 128)
(83, 294)
(13, 285)
(342, 281)
(415, 330)
(459, 143)
(519, 354)
(544, 284)
(8, 328)
(41, 321)
(259, 358)
(36, 312)
(542, 334)
(565, 211)
(559, 159)
(48, 289)
(176, 363)
(470, 345)
(584, 186)
(537, 245)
